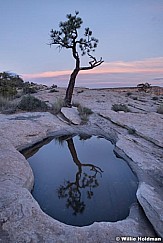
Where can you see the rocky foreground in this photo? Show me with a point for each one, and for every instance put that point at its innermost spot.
(138, 138)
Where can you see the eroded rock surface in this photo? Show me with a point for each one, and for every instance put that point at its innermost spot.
(152, 204)
(22, 220)
(71, 114)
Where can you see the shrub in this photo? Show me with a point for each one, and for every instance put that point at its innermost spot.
(53, 90)
(3, 102)
(29, 90)
(30, 103)
(160, 109)
(134, 97)
(84, 110)
(9, 83)
(84, 113)
(155, 98)
(7, 106)
(53, 86)
(8, 91)
(131, 130)
(144, 87)
(120, 107)
(56, 107)
(129, 93)
(80, 91)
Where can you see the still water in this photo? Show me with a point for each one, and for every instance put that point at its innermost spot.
(79, 180)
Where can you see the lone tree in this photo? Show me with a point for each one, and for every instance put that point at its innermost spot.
(67, 37)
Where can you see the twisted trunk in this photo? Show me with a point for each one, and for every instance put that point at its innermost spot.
(94, 63)
(70, 87)
(71, 84)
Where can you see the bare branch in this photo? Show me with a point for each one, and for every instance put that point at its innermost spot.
(94, 63)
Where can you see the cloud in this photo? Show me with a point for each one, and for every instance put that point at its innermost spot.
(154, 65)
(49, 74)
(149, 65)
(109, 74)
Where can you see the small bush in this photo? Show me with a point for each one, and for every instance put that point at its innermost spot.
(80, 91)
(29, 90)
(56, 107)
(53, 86)
(160, 109)
(84, 110)
(129, 93)
(8, 91)
(134, 97)
(53, 90)
(30, 103)
(3, 102)
(131, 131)
(84, 113)
(155, 98)
(120, 107)
(7, 106)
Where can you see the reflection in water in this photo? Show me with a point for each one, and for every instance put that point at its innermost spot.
(79, 180)
(71, 190)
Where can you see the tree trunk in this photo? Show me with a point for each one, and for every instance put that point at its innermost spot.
(70, 87)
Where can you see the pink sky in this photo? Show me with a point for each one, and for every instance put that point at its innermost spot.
(119, 73)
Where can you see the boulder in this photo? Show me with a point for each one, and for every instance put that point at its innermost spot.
(152, 205)
(71, 114)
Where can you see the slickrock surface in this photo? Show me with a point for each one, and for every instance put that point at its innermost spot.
(22, 220)
(71, 114)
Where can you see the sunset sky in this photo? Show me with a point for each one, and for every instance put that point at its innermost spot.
(130, 37)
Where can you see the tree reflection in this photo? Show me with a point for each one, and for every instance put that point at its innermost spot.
(83, 180)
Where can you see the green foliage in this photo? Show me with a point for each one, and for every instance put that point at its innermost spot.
(8, 91)
(14, 80)
(30, 103)
(160, 109)
(28, 88)
(68, 37)
(84, 113)
(9, 84)
(56, 107)
(84, 110)
(68, 34)
(7, 106)
(120, 107)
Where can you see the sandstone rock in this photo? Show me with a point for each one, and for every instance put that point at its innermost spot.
(152, 205)
(25, 129)
(149, 126)
(22, 220)
(14, 167)
(71, 114)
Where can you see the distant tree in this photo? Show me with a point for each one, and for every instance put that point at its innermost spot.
(13, 80)
(9, 83)
(67, 37)
(144, 87)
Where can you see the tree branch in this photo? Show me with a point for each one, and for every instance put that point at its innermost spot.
(94, 63)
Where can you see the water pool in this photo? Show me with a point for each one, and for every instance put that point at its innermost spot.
(79, 180)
